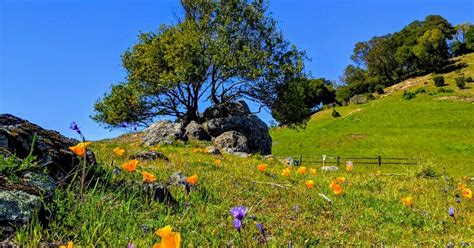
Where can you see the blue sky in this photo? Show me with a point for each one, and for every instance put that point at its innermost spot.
(57, 57)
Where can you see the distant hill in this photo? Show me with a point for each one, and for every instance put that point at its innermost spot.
(437, 126)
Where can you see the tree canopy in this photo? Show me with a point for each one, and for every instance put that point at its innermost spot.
(218, 51)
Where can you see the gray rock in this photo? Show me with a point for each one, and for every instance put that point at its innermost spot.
(194, 131)
(241, 154)
(164, 132)
(160, 193)
(150, 155)
(254, 129)
(42, 182)
(51, 148)
(232, 142)
(213, 150)
(228, 109)
(178, 179)
(329, 168)
(289, 161)
(17, 206)
(361, 99)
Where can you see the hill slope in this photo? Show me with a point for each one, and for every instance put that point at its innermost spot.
(435, 126)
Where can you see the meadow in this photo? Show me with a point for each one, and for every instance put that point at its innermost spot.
(116, 210)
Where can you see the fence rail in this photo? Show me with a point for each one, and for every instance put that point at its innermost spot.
(337, 160)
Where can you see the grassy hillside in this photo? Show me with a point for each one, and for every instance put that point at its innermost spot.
(432, 126)
(117, 211)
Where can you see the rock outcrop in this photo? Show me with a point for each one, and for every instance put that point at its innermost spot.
(250, 134)
(164, 132)
(232, 142)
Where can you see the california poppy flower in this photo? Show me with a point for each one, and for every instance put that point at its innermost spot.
(312, 171)
(341, 179)
(337, 189)
(148, 177)
(217, 162)
(80, 148)
(70, 244)
(262, 167)
(301, 170)
(309, 184)
(118, 151)
(130, 165)
(197, 150)
(461, 186)
(466, 193)
(286, 172)
(169, 239)
(192, 179)
(465, 178)
(407, 201)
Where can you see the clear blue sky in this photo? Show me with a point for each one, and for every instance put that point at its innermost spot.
(57, 57)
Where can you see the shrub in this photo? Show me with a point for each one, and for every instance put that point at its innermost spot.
(469, 80)
(438, 81)
(460, 82)
(408, 95)
(370, 97)
(444, 90)
(420, 91)
(379, 89)
(335, 114)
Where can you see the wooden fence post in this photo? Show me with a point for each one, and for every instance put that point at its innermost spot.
(301, 159)
(337, 161)
(380, 160)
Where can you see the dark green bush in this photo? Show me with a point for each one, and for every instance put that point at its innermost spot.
(469, 80)
(335, 114)
(408, 95)
(444, 90)
(379, 89)
(438, 81)
(460, 82)
(420, 91)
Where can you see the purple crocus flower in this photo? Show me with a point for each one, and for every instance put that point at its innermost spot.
(237, 224)
(260, 227)
(75, 127)
(451, 211)
(238, 212)
(130, 245)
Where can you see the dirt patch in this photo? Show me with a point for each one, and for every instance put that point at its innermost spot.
(357, 136)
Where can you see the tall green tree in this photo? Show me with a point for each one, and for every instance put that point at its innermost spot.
(217, 51)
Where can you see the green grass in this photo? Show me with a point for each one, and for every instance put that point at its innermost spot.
(424, 127)
(116, 210)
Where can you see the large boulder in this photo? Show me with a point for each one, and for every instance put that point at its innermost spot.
(227, 109)
(231, 142)
(22, 193)
(254, 129)
(164, 132)
(51, 149)
(194, 131)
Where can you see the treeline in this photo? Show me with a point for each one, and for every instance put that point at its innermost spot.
(420, 47)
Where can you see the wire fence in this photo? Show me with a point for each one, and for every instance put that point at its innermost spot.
(338, 160)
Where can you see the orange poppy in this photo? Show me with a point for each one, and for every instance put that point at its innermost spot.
(217, 162)
(148, 177)
(169, 239)
(197, 150)
(192, 179)
(130, 165)
(465, 178)
(341, 179)
(301, 170)
(262, 167)
(466, 193)
(407, 201)
(286, 172)
(461, 186)
(70, 244)
(337, 189)
(309, 184)
(80, 148)
(118, 151)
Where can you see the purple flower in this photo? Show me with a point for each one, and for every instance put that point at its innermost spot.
(237, 224)
(451, 211)
(130, 245)
(238, 212)
(75, 127)
(260, 227)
